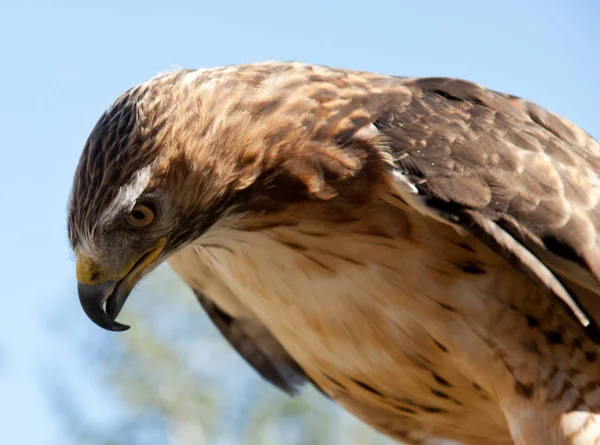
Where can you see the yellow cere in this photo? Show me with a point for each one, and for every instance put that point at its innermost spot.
(88, 272)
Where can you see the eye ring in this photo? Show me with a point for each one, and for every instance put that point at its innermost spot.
(140, 216)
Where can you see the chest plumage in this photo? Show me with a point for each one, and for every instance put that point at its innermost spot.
(384, 311)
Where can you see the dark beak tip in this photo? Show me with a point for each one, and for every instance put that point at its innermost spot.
(119, 327)
(92, 300)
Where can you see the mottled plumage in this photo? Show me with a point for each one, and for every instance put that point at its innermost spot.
(423, 250)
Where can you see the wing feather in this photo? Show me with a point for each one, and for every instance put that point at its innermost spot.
(255, 343)
(522, 179)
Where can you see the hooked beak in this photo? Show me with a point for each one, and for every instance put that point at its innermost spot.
(101, 297)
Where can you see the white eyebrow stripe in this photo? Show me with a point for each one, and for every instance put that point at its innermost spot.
(127, 195)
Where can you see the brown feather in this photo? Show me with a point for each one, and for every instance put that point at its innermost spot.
(522, 167)
(257, 346)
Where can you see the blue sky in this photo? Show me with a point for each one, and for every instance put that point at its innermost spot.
(63, 62)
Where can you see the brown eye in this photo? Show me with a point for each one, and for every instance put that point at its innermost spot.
(140, 216)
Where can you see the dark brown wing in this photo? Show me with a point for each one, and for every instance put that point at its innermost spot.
(258, 347)
(522, 179)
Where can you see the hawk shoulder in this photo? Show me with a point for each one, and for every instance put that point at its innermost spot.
(520, 178)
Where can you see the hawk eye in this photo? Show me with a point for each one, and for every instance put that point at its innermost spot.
(140, 216)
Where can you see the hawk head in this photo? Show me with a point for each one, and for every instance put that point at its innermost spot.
(174, 155)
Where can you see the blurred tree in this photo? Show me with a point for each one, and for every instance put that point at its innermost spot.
(174, 380)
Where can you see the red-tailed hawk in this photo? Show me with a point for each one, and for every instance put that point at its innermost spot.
(423, 250)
